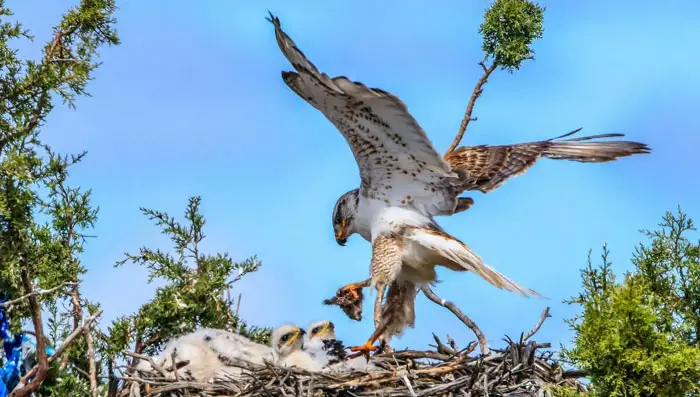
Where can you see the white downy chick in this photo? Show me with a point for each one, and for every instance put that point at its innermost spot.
(287, 343)
(325, 348)
(212, 353)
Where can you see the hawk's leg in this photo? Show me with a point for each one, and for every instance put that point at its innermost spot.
(381, 289)
(369, 345)
(387, 259)
(378, 303)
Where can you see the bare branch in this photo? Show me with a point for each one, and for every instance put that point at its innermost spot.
(35, 293)
(442, 348)
(155, 366)
(478, 89)
(93, 365)
(544, 316)
(75, 299)
(484, 346)
(23, 388)
(140, 345)
(42, 366)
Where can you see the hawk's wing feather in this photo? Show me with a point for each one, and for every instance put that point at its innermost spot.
(398, 163)
(452, 253)
(487, 167)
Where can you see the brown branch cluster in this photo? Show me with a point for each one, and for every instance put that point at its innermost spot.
(521, 368)
(33, 379)
(36, 292)
(484, 346)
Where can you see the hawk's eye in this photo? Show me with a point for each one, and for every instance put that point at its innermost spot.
(338, 217)
(315, 330)
(286, 337)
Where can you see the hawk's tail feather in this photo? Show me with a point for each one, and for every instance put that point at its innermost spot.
(577, 149)
(584, 138)
(456, 254)
(592, 152)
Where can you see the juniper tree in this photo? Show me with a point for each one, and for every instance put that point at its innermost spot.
(196, 291)
(508, 31)
(42, 218)
(639, 336)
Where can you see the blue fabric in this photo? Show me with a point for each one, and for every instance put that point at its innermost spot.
(12, 346)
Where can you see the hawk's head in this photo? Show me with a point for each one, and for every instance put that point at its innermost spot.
(287, 339)
(344, 215)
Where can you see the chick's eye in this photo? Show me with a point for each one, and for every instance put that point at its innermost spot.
(315, 330)
(285, 337)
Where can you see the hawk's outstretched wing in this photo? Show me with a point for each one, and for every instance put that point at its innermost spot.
(487, 167)
(397, 161)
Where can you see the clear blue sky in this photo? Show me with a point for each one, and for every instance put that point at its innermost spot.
(192, 103)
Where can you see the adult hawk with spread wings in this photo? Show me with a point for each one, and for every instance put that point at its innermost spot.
(405, 183)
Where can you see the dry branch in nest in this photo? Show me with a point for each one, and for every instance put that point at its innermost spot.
(520, 369)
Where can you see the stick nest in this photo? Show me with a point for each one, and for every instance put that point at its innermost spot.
(521, 369)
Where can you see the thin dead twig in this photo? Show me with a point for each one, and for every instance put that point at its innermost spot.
(533, 331)
(92, 364)
(478, 89)
(442, 348)
(483, 344)
(36, 292)
(23, 388)
(42, 367)
(150, 360)
(415, 354)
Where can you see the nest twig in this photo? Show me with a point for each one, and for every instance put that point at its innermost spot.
(519, 369)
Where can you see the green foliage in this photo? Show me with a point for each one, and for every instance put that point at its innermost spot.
(195, 293)
(509, 28)
(62, 383)
(563, 391)
(42, 218)
(46, 251)
(670, 266)
(639, 337)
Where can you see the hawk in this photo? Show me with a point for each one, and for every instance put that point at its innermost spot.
(405, 183)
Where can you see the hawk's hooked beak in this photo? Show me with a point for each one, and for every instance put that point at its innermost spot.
(340, 237)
